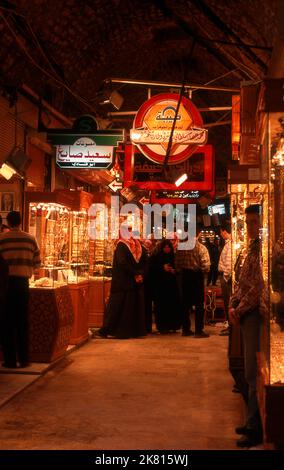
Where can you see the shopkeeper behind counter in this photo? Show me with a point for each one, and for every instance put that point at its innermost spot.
(20, 250)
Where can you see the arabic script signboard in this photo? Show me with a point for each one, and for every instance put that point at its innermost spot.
(85, 151)
(153, 124)
(179, 197)
(177, 194)
(145, 175)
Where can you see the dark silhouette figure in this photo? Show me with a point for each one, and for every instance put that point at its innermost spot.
(165, 289)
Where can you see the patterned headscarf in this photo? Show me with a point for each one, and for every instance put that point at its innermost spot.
(134, 246)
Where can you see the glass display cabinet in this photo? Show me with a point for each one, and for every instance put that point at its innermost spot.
(79, 247)
(271, 356)
(49, 224)
(101, 256)
(78, 257)
(51, 316)
(243, 194)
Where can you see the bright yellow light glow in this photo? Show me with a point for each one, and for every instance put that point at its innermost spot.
(7, 171)
(181, 180)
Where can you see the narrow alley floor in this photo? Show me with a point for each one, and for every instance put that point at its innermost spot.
(159, 392)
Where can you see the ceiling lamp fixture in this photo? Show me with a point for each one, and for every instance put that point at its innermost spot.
(17, 162)
(114, 98)
(7, 171)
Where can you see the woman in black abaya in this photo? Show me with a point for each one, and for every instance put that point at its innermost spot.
(125, 314)
(165, 288)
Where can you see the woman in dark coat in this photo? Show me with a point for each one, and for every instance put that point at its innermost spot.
(125, 314)
(165, 288)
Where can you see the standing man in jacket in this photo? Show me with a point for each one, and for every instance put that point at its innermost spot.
(192, 265)
(20, 250)
(225, 268)
(245, 307)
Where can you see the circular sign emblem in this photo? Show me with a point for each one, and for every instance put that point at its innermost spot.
(85, 123)
(153, 125)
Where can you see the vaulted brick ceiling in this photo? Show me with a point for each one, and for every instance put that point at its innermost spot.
(64, 50)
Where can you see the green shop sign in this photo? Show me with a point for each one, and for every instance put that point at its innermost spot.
(86, 151)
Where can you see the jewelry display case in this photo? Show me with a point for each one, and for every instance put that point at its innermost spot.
(101, 256)
(242, 195)
(271, 356)
(49, 224)
(79, 252)
(51, 316)
(78, 278)
(79, 247)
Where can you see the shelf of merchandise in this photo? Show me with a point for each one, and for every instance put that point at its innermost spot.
(101, 254)
(51, 315)
(271, 357)
(79, 252)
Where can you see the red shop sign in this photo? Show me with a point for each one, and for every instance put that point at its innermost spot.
(142, 174)
(153, 124)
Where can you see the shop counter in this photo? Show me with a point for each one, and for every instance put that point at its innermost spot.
(98, 298)
(80, 299)
(50, 322)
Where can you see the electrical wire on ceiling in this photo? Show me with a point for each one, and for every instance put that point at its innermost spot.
(47, 73)
(217, 78)
(11, 10)
(240, 66)
(43, 52)
(221, 76)
(21, 24)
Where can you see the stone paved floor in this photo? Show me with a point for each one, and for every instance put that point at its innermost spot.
(159, 392)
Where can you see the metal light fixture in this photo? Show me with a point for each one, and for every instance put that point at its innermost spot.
(114, 98)
(16, 163)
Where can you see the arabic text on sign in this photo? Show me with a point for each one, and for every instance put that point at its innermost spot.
(73, 153)
(159, 136)
(147, 169)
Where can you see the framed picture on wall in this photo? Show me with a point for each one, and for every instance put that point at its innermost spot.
(7, 201)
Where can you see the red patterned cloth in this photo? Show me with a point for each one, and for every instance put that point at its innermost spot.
(134, 246)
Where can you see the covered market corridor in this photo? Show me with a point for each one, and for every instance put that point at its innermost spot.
(159, 392)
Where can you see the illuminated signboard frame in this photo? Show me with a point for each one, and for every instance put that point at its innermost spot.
(154, 121)
(99, 157)
(155, 199)
(206, 185)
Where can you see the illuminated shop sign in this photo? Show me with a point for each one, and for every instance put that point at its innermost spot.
(153, 124)
(148, 176)
(177, 194)
(85, 151)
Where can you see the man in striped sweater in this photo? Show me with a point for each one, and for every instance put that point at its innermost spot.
(21, 252)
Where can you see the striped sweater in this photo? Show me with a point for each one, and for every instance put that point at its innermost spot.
(21, 252)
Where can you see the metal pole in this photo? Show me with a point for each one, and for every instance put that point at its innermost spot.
(202, 110)
(218, 123)
(187, 86)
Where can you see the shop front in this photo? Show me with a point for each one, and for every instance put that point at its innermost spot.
(271, 356)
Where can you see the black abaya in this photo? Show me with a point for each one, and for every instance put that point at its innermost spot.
(166, 294)
(125, 314)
